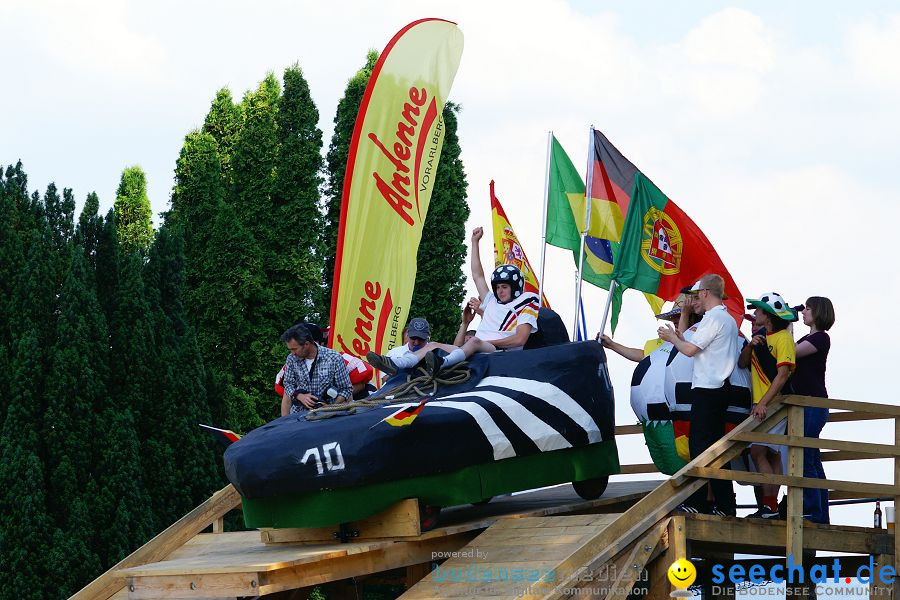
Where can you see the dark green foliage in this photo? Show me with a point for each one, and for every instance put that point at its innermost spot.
(440, 282)
(295, 240)
(336, 164)
(181, 377)
(223, 123)
(22, 493)
(225, 291)
(255, 158)
(107, 265)
(89, 230)
(133, 213)
(75, 389)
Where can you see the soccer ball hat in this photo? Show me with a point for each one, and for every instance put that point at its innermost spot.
(511, 275)
(774, 304)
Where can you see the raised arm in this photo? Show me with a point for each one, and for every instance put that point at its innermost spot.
(477, 269)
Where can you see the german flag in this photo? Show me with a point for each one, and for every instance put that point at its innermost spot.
(226, 436)
(405, 416)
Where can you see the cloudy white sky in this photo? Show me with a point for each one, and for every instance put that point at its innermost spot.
(773, 124)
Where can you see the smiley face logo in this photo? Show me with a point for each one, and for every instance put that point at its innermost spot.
(682, 573)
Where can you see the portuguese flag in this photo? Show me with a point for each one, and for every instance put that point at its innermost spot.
(662, 250)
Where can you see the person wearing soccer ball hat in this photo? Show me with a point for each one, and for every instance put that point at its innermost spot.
(771, 354)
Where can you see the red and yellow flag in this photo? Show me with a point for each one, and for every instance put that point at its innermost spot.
(391, 167)
(508, 250)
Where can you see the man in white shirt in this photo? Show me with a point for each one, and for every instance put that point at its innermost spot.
(714, 349)
(510, 316)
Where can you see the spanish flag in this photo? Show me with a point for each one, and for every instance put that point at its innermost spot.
(405, 416)
(508, 250)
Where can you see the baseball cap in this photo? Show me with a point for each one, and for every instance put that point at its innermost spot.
(419, 328)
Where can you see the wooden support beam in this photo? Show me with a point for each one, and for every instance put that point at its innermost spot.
(889, 411)
(794, 541)
(401, 519)
(869, 489)
(879, 590)
(628, 429)
(637, 559)
(163, 544)
(896, 502)
(842, 417)
(847, 455)
(642, 468)
(762, 536)
(888, 450)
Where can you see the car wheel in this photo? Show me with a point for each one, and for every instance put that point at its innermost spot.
(591, 489)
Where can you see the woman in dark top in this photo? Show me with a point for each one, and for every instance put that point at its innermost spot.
(809, 380)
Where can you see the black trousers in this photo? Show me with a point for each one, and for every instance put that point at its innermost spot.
(708, 411)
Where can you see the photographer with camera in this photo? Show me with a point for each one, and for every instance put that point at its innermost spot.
(311, 372)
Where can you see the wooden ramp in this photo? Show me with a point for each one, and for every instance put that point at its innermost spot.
(182, 563)
(530, 557)
(546, 544)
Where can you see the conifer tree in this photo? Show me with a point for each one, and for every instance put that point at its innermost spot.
(224, 284)
(134, 352)
(133, 212)
(336, 164)
(25, 526)
(255, 160)
(76, 385)
(223, 123)
(440, 282)
(181, 377)
(107, 265)
(89, 230)
(294, 238)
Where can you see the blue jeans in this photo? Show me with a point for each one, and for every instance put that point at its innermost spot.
(815, 502)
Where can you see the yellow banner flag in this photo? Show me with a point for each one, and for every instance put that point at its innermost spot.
(508, 250)
(391, 167)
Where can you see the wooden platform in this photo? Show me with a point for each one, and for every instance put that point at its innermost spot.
(223, 565)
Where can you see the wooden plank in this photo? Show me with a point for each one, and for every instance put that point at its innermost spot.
(896, 504)
(846, 455)
(886, 450)
(752, 536)
(871, 489)
(879, 590)
(218, 526)
(629, 429)
(163, 544)
(636, 561)
(401, 519)
(640, 468)
(794, 541)
(194, 586)
(659, 584)
(842, 417)
(392, 556)
(887, 410)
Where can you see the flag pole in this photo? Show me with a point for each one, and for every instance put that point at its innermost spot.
(544, 224)
(612, 289)
(587, 222)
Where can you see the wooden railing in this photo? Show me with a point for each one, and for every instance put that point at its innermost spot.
(712, 464)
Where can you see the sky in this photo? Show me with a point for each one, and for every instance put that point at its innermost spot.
(773, 125)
